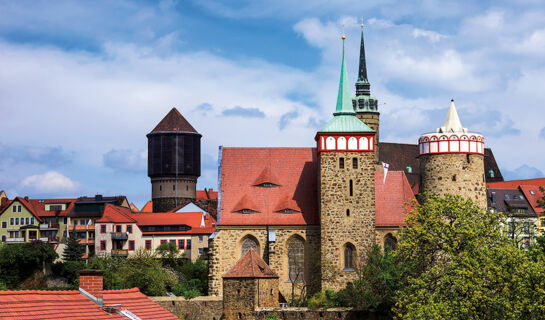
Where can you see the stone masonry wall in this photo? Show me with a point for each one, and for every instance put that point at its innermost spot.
(267, 293)
(338, 229)
(225, 250)
(167, 193)
(239, 298)
(199, 308)
(460, 173)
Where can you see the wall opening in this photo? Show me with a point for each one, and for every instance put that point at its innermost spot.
(348, 212)
(354, 163)
(351, 187)
(341, 163)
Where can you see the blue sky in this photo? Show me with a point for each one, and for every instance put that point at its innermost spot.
(83, 82)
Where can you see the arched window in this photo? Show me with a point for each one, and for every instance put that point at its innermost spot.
(349, 252)
(247, 244)
(296, 259)
(390, 241)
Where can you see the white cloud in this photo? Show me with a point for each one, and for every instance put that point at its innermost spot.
(49, 182)
(431, 35)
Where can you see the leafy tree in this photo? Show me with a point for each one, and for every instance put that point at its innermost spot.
(457, 265)
(19, 261)
(541, 201)
(74, 250)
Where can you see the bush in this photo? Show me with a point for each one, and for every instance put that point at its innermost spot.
(19, 261)
(323, 300)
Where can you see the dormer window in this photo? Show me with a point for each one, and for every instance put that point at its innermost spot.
(532, 192)
(287, 210)
(267, 185)
(246, 211)
(491, 173)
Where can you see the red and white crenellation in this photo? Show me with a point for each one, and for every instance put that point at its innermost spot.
(346, 142)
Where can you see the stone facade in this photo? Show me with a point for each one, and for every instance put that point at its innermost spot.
(454, 173)
(371, 119)
(346, 218)
(242, 296)
(226, 247)
(199, 308)
(168, 193)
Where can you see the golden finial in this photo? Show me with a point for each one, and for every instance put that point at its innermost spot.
(362, 22)
(343, 37)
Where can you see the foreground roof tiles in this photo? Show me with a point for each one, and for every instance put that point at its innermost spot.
(137, 303)
(512, 184)
(391, 198)
(251, 266)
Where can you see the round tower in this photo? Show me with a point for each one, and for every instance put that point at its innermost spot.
(174, 162)
(452, 161)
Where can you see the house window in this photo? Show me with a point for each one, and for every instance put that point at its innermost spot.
(493, 197)
(27, 221)
(32, 220)
(541, 221)
(341, 163)
(4, 224)
(75, 222)
(526, 227)
(181, 244)
(188, 246)
(351, 187)
(11, 221)
(118, 228)
(129, 228)
(163, 241)
(102, 228)
(65, 220)
(19, 208)
(148, 244)
(102, 245)
(14, 209)
(131, 245)
(200, 238)
(354, 163)
(3, 238)
(173, 241)
(201, 251)
(296, 259)
(349, 256)
(16, 221)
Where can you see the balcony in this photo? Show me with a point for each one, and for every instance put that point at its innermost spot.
(119, 235)
(49, 226)
(49, 239)
(85, 227)
(87, 241)
(15, 240)
(120, 253)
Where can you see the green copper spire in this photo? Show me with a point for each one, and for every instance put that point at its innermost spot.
(344, 98)
(362, 74)
(344, 117)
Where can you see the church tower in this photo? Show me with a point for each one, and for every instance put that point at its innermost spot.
(346, 156)
(365, 105)
(174, 162)
(452, 161)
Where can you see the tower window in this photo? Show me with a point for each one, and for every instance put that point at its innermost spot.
(160, 188)
(173, 187)
(355, 163)
(349, 256)
(341, 163)
(186, 188)
(491, 173)
(454, 178)
(348, 212)
(409, 169)
(351, 187)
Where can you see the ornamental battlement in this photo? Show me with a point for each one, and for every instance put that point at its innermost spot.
(451, 143)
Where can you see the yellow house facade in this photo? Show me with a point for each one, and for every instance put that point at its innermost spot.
(18, 223)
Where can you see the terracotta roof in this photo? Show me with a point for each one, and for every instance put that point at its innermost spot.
(116, 214)
(133, 207)
(532, 194)
(251, 266)
(174, 121)
(191, 219)
(206, 194)
(401, 155)
(148, 207)
(37, 304)
(390, 198)
(26, 203)
(507, 199)
(512, 184)
(137, 303)
(39, 207)
(43, 305)
(293, 169)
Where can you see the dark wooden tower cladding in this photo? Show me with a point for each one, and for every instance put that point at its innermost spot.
(174, 161)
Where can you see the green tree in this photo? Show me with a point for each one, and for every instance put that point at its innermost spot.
(74, 250)
(458, 265)
(20, 261)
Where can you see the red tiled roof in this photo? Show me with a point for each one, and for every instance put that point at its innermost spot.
(250, 266)
(206, 194)
(532, 193)
(43, 305)
(174, 121)
(27, 204)
(295, 170)
(39, 207)
(513, 184)
(116, 214)
(137, 303)
(390, 198)
(192, 219)
(148, 207)
(133, 207)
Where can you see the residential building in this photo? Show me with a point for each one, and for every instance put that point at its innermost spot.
(521, 219)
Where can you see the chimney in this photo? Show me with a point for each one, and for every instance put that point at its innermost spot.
(98, 197)
(26, 198)
(90, 285)
(3, 202)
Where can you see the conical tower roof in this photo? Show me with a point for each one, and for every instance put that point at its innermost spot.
(174, 121)
(251, 266)
(452, 122)
(344, 117)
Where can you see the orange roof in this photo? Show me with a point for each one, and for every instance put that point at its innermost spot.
(174, 121)
(39, 207)
(37, 304)
(513, 184)
(133, 207)
(116, 214)
(294, 171)
(532, 193)
(191, 219)
(43, 305)
(251, 266)
(206, 194)
(137, 303)
(148, 207)
(390, 198)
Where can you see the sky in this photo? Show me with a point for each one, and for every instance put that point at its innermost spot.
(83, 82)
